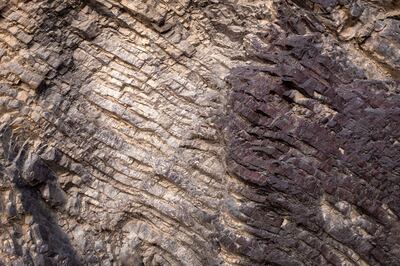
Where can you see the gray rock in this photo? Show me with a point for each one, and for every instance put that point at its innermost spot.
(199, 132)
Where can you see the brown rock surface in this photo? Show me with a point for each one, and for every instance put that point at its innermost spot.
(194, 132)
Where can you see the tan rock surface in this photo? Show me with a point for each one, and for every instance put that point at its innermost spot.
(180, 132)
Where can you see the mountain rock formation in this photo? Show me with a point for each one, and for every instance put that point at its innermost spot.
(199, 132)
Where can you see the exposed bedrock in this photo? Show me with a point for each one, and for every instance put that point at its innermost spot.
(179, 132)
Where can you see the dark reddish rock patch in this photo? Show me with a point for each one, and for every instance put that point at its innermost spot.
(321, 143)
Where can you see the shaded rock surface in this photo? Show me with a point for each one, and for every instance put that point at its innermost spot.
(181, 132)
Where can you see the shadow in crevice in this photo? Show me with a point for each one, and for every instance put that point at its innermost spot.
(28, 173)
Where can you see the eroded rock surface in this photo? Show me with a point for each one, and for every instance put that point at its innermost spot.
(182, 132)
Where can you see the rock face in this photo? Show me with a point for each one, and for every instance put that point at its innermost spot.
(194, 132)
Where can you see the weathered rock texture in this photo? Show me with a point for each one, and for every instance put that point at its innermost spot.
(178, 132)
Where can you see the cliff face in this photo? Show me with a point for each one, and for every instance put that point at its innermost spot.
(179, 132)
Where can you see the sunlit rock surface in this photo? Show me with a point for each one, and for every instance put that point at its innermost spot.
(194, 132)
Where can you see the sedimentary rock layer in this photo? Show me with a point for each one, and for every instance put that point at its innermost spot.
(180, 132)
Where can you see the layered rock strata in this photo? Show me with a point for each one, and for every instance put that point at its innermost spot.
(180, 132)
